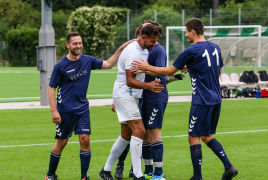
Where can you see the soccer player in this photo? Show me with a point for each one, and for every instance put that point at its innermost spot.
(126, 94)
(204, 63)
(71, 76)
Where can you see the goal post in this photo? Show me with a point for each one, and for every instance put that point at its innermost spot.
(176, 42)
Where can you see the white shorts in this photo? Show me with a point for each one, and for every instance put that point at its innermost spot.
(127, 109)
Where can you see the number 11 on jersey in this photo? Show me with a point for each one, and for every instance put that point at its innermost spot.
(208, 58)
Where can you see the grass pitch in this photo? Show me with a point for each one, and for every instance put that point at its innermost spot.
(27, 136)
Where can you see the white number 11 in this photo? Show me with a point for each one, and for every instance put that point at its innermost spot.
(208, 58)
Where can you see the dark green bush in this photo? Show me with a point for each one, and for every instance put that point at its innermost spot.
(21, 49)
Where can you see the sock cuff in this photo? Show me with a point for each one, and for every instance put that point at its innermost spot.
(85, 153)
(136, 139)
(146, 144)
(55, 155)
(157, 145)
(196, 146)
(212, 141)
(121, 139)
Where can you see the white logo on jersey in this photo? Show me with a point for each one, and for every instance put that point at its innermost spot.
(59, 95)
(152, 117)
(71, 70)
(191, 125)
(222, 153)
(193, 85)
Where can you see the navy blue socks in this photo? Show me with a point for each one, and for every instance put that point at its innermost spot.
(85, 160)
(53, 164)
(147, 157)
(123, 156)
(157, 151)
(217, 148)
(196, 155)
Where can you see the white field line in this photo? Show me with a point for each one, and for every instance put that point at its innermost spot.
(96, 95)
(234, 132)
(34, 72)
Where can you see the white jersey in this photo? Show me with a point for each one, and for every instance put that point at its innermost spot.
(233, 51)
(132, 52)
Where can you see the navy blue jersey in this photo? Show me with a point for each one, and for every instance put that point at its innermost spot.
(72, 78)
(157, 57)
(204, 62)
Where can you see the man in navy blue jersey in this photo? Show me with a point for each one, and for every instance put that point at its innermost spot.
(204, 63)
(71, 76)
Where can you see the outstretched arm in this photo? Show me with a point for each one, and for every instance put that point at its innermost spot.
(143, 66)
(114, 58)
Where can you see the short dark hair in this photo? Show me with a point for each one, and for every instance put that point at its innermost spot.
(154, 23)
(150, 29)
(138, 31)
(195, 24)
(71, 34)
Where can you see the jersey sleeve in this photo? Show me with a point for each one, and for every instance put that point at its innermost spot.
(130, 58)
(96, 63)
(183, 59)
(55, 76)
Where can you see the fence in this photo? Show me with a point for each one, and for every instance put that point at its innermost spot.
(210, 17)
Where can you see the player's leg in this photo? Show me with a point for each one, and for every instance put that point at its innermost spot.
(63, 132)
(147, 155)
(146, 146)
(155, 114)
(85, 154)
(216, 147)
(199, 123)
(83, 130)
(118, 173)
(136, 141)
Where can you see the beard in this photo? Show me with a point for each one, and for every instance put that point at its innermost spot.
(75, 53)
(148, 47)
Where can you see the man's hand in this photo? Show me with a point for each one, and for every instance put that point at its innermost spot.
(184, 70)
(125, 44)
(138, 66)
(56, 117)
(154, 86)
(113, 107)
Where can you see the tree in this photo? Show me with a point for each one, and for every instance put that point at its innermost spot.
(97, 25)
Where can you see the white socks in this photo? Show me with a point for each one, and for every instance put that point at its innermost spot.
(117, 149)
(136, 152)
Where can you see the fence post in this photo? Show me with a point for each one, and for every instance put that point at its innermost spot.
(4, 45)
(155, 15)
(182, 32)
(128, 26)
(210, 21)
(239, 20)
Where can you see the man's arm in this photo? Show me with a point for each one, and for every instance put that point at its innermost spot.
(134, 83)
(152, 70)
(114, 58)
(220, 71)
(52, 101)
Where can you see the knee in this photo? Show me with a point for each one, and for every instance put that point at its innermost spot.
(84, 139)
(139, 132)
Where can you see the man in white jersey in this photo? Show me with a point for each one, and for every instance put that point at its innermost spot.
(126, 94)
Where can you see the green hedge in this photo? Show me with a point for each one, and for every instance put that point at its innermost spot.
(21, 49)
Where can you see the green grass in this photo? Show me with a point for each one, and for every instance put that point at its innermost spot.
(24, 83)
(247, 151)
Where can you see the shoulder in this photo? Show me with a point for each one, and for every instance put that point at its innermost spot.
(61, 63)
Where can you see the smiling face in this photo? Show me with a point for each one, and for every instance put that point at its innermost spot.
(189, 35)
(149, 42)
(75, 46)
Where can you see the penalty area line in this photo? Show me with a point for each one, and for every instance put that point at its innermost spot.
(94, 141)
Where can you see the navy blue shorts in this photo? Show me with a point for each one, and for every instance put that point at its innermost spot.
(203, 119)
(76, 121)
(152, 114)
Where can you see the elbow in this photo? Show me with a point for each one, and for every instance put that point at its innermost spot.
(129, 83)
(169, 74)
